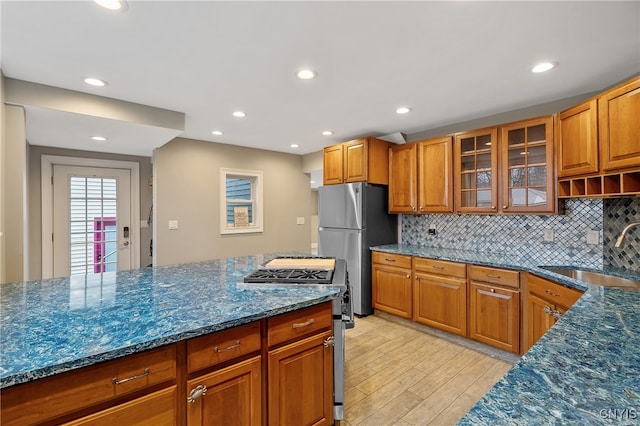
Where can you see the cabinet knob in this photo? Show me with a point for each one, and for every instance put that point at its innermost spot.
(493, 207)
(408, 275)
(492, 290)
(196, 393)
(505, 207)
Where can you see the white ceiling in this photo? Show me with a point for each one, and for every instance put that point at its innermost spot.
(449, 61)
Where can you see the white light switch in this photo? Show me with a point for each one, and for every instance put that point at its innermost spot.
(300, 221)
(173, 224)
(593, 237)
(144, 224)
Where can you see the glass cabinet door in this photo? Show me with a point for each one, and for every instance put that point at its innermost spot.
(527, 164)
(476, 167)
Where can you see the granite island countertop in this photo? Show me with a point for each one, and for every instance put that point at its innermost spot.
(584, 370)
(56, 325)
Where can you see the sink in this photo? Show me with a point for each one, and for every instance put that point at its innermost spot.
(598, 278)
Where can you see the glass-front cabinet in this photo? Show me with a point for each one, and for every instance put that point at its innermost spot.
(476, 166)
(527, 166)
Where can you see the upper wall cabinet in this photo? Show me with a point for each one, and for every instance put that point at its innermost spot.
(528, 180)
(476, 171)
(578, 140)
(420, 177)
(359, 160)
(619, 121)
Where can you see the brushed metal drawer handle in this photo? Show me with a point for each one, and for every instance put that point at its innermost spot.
(389, 260)
(552, 293)
(116, 381)
(228, 348)
(556, 314)
(303, 324)
(493, 276)
(437, 267)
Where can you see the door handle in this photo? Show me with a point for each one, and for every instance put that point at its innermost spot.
(126, 243)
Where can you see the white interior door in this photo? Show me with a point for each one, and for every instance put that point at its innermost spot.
(91, 220)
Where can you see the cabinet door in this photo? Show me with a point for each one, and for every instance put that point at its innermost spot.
(441, 302)
(301, 383)
(539, 318)
(494, 316)
(476, 166)
(232, 396)
(403, 179)
(577, 136)
(392, 290)
(155, 409)
(333, 165)
(435, 171)
(619, 120)
(528, 179)
(355, 161)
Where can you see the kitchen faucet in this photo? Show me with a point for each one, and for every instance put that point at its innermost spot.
(624, 231)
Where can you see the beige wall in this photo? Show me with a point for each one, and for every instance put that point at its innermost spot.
(14, 194)
(3, 157)
(35, 208)
(187, 189)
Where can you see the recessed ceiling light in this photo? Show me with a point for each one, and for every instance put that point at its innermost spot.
(542, 67)
(403, 110)
(216, 132)
(95, 81)
(98, 138)
(294, 145)
(239, 114)
(327, 133)
(112, 4)
(306, 74)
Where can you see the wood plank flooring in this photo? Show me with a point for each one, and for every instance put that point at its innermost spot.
(400, 373)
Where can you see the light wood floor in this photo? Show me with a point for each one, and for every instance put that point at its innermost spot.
(398, 373)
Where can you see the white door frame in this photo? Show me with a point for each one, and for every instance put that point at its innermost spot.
(47, 163)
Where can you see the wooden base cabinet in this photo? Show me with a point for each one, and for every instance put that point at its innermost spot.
(155, 409)
(440, 295)
(230, 396)
(544, 303)
(494, 307)
(392, 284)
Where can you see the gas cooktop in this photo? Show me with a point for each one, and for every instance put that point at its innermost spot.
(309, 276)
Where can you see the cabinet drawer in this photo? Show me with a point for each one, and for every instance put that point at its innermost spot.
(64, 393)
(297, 324)
(157, 409)
(553, 292)
(398, 260)
(215, 348)
(440, 267)
(495, 276)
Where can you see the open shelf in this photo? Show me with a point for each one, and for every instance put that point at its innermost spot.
(623, 183)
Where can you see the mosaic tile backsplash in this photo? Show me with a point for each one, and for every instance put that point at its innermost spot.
(518, 236)
(618, 213)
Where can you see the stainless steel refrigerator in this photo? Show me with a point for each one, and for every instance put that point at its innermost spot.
(351, 218)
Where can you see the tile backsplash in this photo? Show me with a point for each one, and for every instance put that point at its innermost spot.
(516, 236)
(618, 213)
(521, 236)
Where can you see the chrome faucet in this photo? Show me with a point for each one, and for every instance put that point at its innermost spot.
(624, 231)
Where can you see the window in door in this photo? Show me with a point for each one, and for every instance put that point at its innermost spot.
(93, 225)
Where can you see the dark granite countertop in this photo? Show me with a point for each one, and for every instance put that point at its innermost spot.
(584, 370)
(56, 325)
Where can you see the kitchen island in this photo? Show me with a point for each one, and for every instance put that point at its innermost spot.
(60, 325)
(584, 370)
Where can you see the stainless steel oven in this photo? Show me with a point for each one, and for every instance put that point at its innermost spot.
(293, 271)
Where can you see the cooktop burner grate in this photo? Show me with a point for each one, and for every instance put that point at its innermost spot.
(303, 276)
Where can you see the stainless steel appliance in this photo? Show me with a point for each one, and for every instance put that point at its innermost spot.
(353, 217)
(283, 272)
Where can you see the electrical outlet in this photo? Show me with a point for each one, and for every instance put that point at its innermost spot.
(548, 235)
(432, 230)
(593, 237)
(300, 220)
